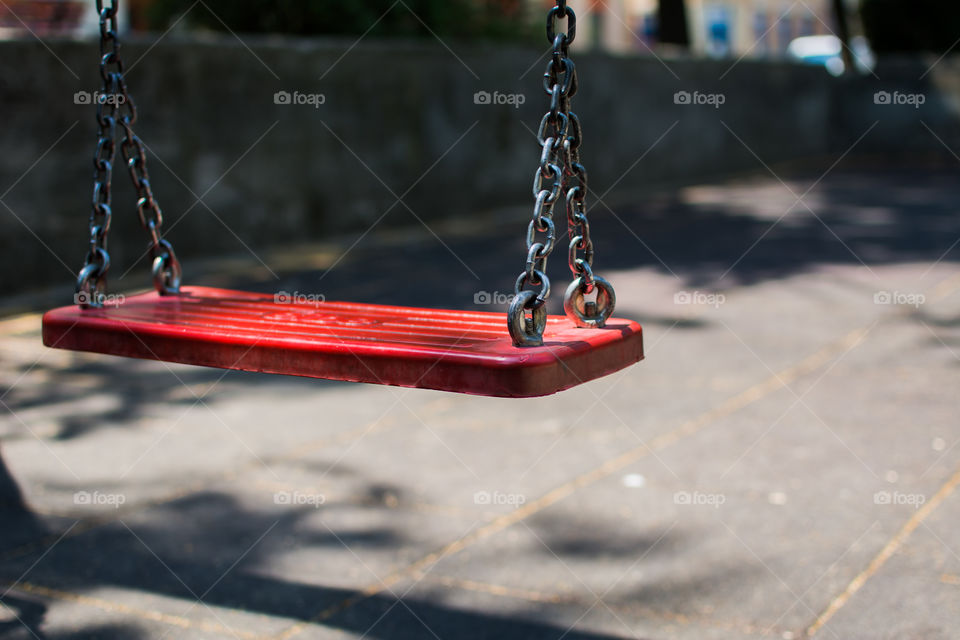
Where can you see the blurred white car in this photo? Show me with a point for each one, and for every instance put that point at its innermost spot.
(826, 51)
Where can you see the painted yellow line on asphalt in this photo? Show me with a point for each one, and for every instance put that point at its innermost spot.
(885, 554)
(498, 590)
(732, 405)
(939, 291)
(945, 288)
(741, 627)
(116, 607)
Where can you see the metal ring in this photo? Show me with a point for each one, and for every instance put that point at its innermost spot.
(101, 193)
(556, 98)
(526, 333)
(103, 211)
(535, 260)
(542, 209)
(108, 77)
(585, 271)
(554, 190)
(589, 315)
(576, 135)
(552, 77)
(148, 204)
(580, 172)
(548, 119)
(544, 283)
(98, 257)
(571, 33)
(130, 107)
(550, 230)
(580, 243)
(575, 200)
(546, 154)
(111, 8)
(91, 297)
(167, 272)
(88, 271)
(107, 122)
(99, 233)
(166, 275)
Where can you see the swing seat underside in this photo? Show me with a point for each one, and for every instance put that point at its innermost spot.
(464, 352)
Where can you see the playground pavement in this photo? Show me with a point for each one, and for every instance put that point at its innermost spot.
(784, 464)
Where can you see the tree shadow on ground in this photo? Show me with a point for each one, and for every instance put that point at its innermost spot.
(885, 217)
(710, 237)
(127, 389)
(232, 561)
(18, 524)
(714, 236)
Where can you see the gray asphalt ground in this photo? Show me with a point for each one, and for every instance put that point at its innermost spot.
(784, 464)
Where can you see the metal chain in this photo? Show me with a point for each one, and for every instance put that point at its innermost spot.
(115, 106)
(560, 173)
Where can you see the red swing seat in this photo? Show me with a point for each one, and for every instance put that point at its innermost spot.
(465, 352)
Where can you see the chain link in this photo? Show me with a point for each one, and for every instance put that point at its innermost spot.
(115, 107)
(560, 174)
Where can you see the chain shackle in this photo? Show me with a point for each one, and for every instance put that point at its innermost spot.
(586, 313)
(526, 331)
(115, 107)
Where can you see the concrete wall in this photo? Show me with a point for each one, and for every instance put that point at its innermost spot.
(279, 173)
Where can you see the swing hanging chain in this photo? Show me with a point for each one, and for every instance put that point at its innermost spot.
(560, 174)
(115, 106)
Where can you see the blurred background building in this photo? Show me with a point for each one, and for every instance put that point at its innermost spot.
(204, 55)
(717, 28)
(51, 18)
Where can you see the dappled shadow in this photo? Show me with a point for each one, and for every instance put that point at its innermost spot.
(118, 392)
(224, 553)
(640, 561)
(18, 524)
(715, 236)
(712, 237)
(10, 497)
(27, 622)
(21, 617)
(609, 538)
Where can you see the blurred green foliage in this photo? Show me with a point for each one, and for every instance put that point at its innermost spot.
(900, 26)
(466, 19)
